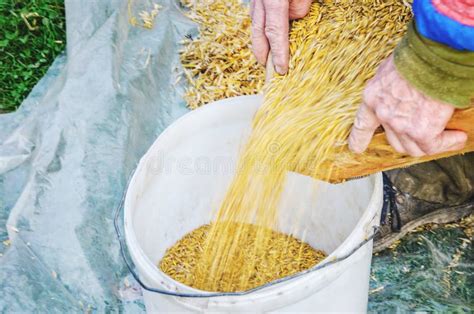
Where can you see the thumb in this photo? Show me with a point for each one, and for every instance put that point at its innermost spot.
(260, 46)
(363, 129)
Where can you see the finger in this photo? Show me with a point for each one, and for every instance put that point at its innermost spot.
(299, 8)
(445, 142)
(393, 139)
(363, 129)
(276, 30)
(411, 147)
(260, 46)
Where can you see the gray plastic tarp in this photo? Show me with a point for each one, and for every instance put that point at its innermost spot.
(66, 154)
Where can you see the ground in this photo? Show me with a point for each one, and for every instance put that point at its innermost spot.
(33, 34)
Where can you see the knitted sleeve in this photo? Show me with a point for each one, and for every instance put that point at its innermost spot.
(437, 54)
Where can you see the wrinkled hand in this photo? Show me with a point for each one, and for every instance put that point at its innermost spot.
(414, 124)
(270, 25)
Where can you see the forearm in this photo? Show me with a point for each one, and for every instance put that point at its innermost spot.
(437, 54)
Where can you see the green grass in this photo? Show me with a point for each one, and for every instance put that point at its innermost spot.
(26, 51)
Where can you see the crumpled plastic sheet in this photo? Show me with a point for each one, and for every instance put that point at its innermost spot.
(66, 155)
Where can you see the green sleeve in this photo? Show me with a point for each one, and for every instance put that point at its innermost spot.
(443, 73)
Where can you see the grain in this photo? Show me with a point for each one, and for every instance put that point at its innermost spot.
(304, 121)
(147, 12)
(284, 256)
(219, 63)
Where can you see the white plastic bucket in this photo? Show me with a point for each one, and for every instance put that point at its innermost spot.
(182, 178)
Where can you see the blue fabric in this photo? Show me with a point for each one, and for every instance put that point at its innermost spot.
(440, 28)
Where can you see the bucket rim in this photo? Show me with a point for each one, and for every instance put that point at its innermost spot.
(140, 259)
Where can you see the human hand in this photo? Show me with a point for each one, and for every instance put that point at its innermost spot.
(414, 124)
(270, 26)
